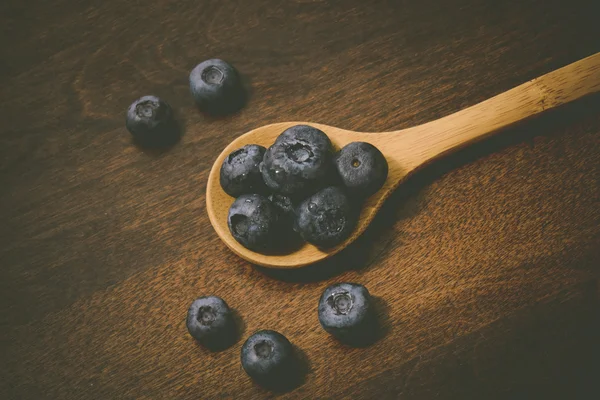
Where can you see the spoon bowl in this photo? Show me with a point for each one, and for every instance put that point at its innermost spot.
(409, 149)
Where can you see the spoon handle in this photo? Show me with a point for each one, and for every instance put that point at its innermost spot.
(436, 138)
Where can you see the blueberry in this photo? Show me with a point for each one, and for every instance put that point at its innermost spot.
(346, 312)
(210, 321)
(254, 222)
(298, 162)
(150, 120)
(289, 240)
(362, 168)
(217, 87)
(326, 218)
(268, 358)
(240, 173)
(284, 203)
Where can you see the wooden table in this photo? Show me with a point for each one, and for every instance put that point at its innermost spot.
(485, 264)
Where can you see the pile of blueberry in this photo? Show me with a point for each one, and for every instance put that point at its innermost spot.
(299, 189)
(345, 310)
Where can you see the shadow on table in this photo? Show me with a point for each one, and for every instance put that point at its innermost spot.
(549, 350)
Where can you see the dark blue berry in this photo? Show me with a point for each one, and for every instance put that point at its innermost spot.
(254, 222)
(346, 312)
(150, 120)
(268, 358)
(240, 173)
(326, 218)
(284, 204)
(217, 87)
(298, 162)
(289, 239)
(362, 168)
(210, 321)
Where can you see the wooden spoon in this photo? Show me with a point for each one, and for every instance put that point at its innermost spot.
(409, 149)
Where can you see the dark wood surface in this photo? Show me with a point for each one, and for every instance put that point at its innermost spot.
(485, 265)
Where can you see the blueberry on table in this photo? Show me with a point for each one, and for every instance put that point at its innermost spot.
(268, 358)
(346, 312)
(150, 120)
(240, 173)
(362, 168)
(210, 321)
(254, 222)
(216, 87)
(298, 162)
(326, 218)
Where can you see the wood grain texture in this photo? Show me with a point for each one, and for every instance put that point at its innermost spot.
(407, 150)
(485, 263)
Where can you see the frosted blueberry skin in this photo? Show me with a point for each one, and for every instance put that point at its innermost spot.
(346, 311)
(362, 168)
(299, 162)
(255, 223)
(210, 321)
(268, 358)
(326, 218)
(217, 87)
(151, 122)
(240, 172)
